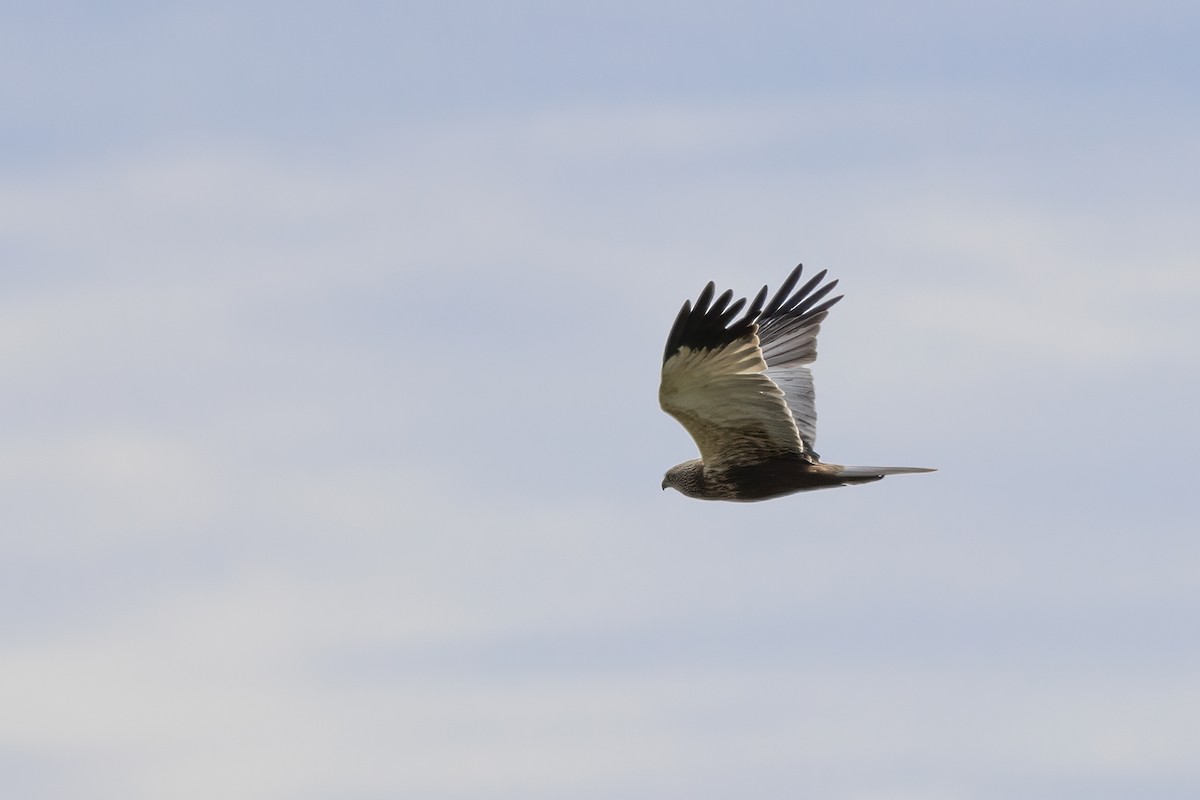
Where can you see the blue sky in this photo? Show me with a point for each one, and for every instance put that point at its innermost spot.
(329, 345)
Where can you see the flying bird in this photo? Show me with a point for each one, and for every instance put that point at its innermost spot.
(741, 388)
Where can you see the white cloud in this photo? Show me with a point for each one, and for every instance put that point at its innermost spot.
(106, 489)
(333, 470)
(226, 685)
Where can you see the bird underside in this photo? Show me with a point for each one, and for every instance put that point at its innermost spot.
(779, 476)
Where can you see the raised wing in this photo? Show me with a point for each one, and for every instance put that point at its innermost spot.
(738, 385)
(788, 340)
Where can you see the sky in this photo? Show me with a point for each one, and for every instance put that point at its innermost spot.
(331, 454)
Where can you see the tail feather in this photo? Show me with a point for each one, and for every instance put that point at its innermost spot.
(867, 472)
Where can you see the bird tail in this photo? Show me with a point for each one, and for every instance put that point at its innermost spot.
(879, 472)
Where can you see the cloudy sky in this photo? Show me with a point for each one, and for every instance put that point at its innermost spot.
(330, 464)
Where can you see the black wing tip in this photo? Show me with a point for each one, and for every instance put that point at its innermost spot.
(706, 325)
(677, 328)
(785, 289)
(800, 304)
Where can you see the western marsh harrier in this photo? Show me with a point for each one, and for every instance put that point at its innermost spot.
(741, 388)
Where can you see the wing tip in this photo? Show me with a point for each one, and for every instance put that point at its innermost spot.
(711, 321)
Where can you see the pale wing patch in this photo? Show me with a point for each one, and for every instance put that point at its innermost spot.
(797, 386)
(787, 344)
(727, 404)
(786, 348)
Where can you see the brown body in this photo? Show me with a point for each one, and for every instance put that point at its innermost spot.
(763, 480)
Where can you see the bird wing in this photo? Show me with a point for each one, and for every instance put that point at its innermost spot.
(788, 339)
(738, 385)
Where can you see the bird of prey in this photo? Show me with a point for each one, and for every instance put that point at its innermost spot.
(741, 388)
